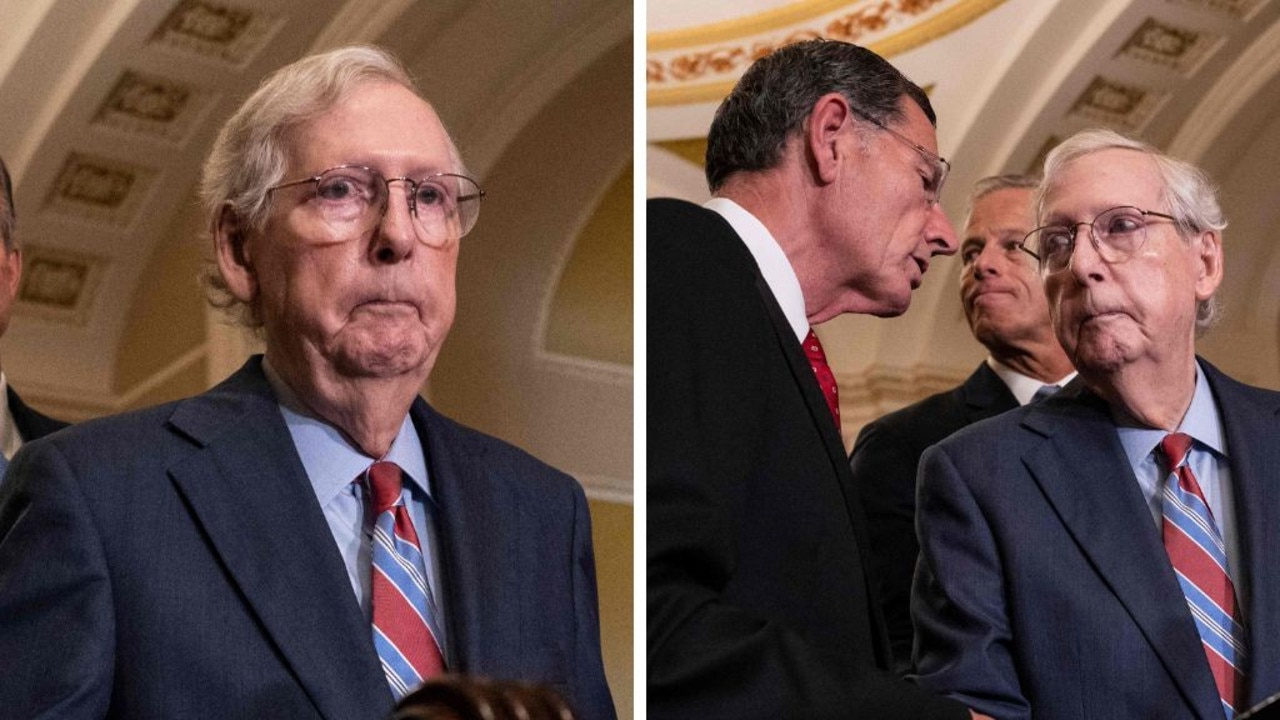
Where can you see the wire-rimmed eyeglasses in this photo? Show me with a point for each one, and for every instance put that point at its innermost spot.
(352, 199)
(1116, 234)
(933, 188)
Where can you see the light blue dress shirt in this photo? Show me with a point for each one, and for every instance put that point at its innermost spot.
(1209, 459)
(333, 466)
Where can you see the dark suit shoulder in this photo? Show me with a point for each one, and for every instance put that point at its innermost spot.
(500, 459)
(1234, 389)
(31, 423)
(692, 242)
(921, 423)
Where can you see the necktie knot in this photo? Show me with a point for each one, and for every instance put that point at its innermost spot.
(1175, 446)
(1043, 392)
(384, 486)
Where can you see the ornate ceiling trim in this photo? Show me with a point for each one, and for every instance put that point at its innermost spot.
(758, 24)
(676, 73)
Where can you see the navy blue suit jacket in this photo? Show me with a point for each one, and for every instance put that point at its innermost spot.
(758, 596)
(174, 563)
(31, 423)
(884, 462)
(1044, 589)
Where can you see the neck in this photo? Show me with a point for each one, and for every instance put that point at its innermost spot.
(773, 197)
(1044, 361)
(1156, 400)
(368, 411)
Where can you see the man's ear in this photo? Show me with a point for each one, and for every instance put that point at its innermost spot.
(825, 136)
(231, 249)
(1208, 264)
(11, 272)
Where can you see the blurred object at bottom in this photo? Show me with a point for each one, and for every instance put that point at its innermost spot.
(459, 697)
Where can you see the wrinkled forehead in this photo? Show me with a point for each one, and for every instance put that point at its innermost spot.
(370, 121)
(1098, 181)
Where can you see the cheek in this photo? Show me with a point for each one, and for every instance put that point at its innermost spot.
(441, 291)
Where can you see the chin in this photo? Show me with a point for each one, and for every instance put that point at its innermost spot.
(384, 359)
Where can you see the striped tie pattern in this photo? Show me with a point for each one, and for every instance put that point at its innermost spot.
(821, 370)
(1199, 558)
(404, 619)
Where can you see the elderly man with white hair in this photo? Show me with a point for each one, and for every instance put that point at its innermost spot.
(308, 539)
(1109, 552)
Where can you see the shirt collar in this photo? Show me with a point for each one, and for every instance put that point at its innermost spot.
(1023, 387)
(1201, 422)
(778, 273)
(332, 463)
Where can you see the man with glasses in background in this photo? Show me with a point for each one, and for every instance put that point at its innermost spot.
(1004, 302)
(19, 423)
(1110, 552)
(308, 539)
(825, 176)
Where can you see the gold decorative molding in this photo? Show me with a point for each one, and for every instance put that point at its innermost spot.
(1124, 107)
(216, 30)
(856, 26)
(1238, 9)
(1170, 46)
(58, 285)
(99, 189)
(152, 106)
(758, 24)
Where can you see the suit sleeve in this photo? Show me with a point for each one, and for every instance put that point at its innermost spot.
(56, 612)
(590, 689)
(707, 401)
(884, 474)
(963, 629)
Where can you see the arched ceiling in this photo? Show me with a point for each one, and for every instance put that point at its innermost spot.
(1008, 79)
(108, 109)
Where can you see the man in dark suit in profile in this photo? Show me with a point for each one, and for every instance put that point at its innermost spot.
(825, 176)
(1004, 303)
(19, 423)
(1109, 553)
(309, 539)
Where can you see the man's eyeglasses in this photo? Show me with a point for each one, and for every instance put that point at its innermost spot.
(933, 184)
(1116, 234)
(352, 199)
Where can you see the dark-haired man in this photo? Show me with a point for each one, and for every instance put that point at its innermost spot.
(825, 174)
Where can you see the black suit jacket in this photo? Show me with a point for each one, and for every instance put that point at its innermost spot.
(31, 424)
(1044, 590)
(174, 563)
(758, 600)
(884, 461)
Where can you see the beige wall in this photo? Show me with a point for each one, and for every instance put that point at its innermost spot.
(611, 528)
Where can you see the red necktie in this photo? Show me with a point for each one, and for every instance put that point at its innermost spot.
(1199, 558)
(826, 379)
(403, 607)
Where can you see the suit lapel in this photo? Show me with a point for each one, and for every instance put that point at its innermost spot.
(803, 376)
(481, 584)
(986, 395)
(802, 373)
(1252, 424)
(247, 489)
(1083, 471)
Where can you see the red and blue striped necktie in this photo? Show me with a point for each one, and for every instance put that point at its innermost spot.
(1196, 550)
(405, 628)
